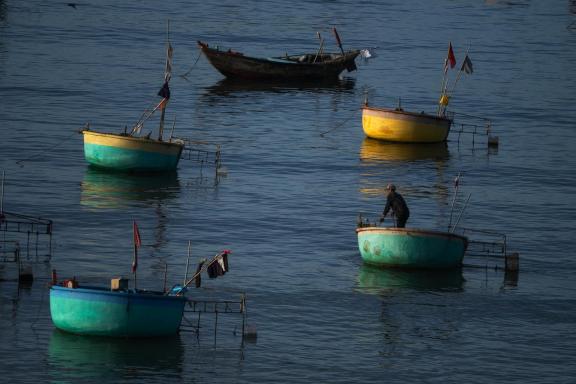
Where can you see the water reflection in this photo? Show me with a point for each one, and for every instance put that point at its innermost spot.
(228, 87)
(73, 357)
(101, 189)
(381, 281)
(374, 151)
(2, 10)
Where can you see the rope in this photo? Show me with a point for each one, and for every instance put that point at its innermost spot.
(193, 65)
(50, 149)
(339, 125)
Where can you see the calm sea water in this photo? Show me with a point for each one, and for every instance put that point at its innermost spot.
(288, 205)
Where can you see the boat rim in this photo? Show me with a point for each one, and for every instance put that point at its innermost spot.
(403, 112)
(132, 138)
(106, 291)
(428, 232)
(279, 59)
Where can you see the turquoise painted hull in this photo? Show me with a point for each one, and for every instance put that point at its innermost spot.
(411, 248)
(122, 159)
(101, 312)
(131, 154)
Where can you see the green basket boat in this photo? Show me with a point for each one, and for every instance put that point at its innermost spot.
(411, 248)
(100, 311)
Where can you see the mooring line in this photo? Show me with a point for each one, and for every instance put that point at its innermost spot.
(339, 125)
(191, 68)
(19, 162)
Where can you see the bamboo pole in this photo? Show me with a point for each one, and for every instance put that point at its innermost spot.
(320, 48)
(457, 184)
(187, 263)
(460, 71)
(134, 270)
(461, 212)
(2, 194)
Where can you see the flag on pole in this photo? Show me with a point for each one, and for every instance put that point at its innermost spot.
(450, 59)
(165, 93)
(137, 244)
(168, 69)
(467, 65)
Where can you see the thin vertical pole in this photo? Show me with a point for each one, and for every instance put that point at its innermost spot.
(2, 194)
(134, 270)
(165, 276)
(161, 129)
(457, 182)
(187, 263)
(461, 212)
(459, 72)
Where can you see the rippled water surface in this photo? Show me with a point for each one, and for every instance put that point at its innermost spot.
(299, 171)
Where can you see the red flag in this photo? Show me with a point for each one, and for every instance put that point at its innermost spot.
(451, 59)
(137, 244)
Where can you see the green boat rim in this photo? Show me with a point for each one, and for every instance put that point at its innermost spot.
(417, 231)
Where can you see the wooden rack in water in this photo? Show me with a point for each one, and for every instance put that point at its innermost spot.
(475, 126)
(217, 307)
(489, 249)
(33, 228)
(205, 154)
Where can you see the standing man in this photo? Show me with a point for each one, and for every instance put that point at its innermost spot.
(399, 208)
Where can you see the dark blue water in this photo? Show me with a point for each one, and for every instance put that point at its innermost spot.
(288, 205)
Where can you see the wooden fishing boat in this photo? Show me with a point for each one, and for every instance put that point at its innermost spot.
(126, 151)
(100, 311)
(397, 125)
(305, 67)
(411, 248)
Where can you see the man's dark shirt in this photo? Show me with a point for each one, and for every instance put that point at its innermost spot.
(398, 205)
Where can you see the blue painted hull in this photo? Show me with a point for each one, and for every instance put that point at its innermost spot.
(101, 312)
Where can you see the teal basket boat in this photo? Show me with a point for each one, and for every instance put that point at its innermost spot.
(411, 248)
(100, 311)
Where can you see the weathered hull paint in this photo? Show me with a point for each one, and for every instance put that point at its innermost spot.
(411, 248)
(235, 65)
(101, 312)
(404, 127)
(127, 153)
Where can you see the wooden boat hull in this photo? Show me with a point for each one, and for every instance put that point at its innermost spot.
(411, 248)
(236, 65)
(102, 312)
(404, 127)
(128, 153)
